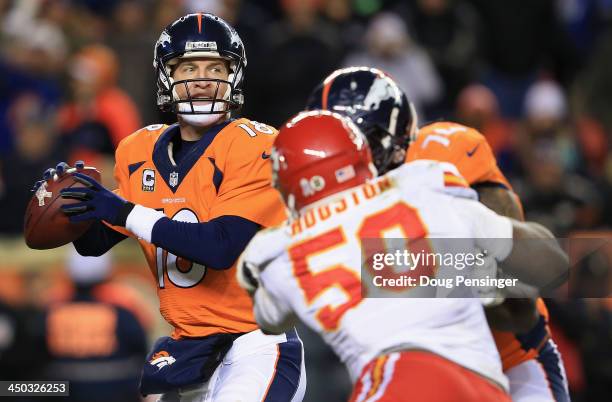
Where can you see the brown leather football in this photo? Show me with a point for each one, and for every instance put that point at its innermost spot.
(45, 225)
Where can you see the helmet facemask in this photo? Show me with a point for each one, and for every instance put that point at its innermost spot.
(204, 36)
(218, 104)
(389, 150)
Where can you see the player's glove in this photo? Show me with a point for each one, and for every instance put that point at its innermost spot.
(97, 202)
(56, 173)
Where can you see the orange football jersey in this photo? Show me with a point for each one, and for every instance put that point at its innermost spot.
(226, 173)
(462, 146)
(469, 151)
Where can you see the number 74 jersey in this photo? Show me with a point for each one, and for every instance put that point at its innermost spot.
(311, 267)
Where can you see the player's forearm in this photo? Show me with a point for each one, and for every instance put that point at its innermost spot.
(98, 239)
(536, 258)
(216, 244)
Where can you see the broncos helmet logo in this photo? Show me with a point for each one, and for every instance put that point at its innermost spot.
(379, 91)
(353, 103)
(164, 39)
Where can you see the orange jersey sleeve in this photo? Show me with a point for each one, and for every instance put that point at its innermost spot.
(462, 146)
(246, 189)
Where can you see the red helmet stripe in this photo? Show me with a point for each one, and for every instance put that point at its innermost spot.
(199, 22)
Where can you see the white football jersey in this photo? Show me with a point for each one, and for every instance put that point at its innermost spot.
(312, 267)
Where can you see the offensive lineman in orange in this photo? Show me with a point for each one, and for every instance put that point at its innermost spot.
(380, 108)
(194, 194)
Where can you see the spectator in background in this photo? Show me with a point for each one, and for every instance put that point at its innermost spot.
(5, 5)
(595, 91)
(547, 123)
(32, 53)
(559, 200)
(99, 114)
(301, 50)
(582, 20)
(589, 323)
(582, 138)
(521, 38)
(390, 49)
(88, 22)
(96, 334)
(477, 107)
(448, 30)
(22, 348)
(247, 18)
(131, 39)
(552, 193)
(36, 147)
(36, 35)
(342, 15)
(167, 11)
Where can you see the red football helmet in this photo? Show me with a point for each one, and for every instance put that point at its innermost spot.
(319, 153)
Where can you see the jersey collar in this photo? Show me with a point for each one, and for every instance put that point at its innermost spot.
(173, 174)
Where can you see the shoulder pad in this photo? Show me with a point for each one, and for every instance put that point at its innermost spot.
(449, 134)
(252, 129)
(433, 175)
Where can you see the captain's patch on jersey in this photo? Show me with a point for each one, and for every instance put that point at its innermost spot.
(148, 180)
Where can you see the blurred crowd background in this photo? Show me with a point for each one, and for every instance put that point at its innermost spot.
(76, 76)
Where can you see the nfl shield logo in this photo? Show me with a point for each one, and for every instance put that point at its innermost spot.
(173, 179)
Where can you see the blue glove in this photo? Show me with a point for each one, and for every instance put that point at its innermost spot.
(59, 170)
(96, 202)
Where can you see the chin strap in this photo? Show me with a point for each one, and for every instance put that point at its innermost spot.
(201, 120)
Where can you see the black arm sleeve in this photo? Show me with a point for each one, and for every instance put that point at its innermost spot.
(98, 239)
(217, 244)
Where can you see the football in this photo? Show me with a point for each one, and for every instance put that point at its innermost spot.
(45, 225)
